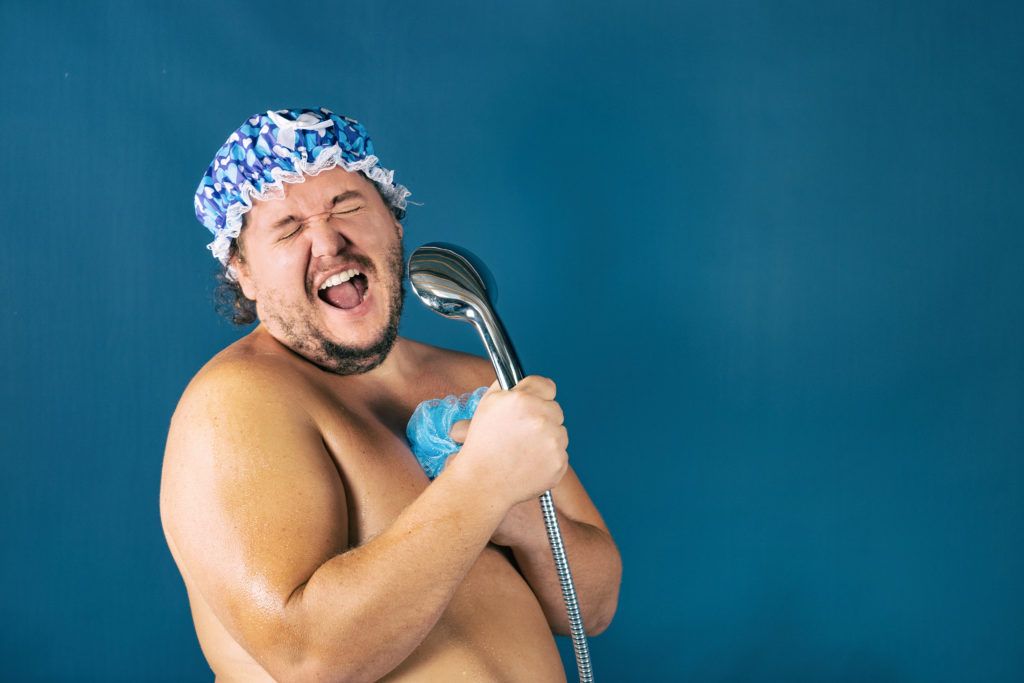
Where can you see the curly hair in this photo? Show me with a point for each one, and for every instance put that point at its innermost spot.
(228, 298)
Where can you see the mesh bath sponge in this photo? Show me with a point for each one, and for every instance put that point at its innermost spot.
(429, 426)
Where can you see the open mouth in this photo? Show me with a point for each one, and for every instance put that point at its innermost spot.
(344, 290)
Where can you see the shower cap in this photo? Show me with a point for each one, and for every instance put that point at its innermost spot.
(429, 426)
(278, 147)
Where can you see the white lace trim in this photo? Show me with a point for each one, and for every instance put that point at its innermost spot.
(330, 158)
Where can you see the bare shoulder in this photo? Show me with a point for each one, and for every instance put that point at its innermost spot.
(240, 407)
(466, 369)
(231, 390)
(240, 363)
(245, 474)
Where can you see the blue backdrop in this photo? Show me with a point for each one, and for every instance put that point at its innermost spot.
(772, 254)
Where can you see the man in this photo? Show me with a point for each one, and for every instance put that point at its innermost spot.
(312, 545)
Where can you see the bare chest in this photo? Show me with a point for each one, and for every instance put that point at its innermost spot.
(381, 478)
(380, 474)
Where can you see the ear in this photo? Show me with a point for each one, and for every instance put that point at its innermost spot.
(240, 269)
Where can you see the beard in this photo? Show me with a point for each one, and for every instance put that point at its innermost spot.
(303, 337)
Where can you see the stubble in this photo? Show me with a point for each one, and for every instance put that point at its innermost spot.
(303, 337)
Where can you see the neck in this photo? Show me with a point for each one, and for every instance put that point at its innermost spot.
(399, 368)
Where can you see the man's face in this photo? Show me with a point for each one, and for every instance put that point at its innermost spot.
(329, 224)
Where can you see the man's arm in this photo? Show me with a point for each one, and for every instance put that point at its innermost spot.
(257, 511)
(594, 559)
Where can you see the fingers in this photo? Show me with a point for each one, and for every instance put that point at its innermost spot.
(459, 431)
(542, 387)
(537, 388)
(537, 385)
(557, 414)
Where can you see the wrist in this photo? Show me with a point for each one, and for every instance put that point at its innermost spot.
(474, 490)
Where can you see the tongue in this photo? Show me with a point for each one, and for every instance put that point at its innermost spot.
(344, 295)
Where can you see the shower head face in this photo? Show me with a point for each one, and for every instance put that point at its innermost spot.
(451, 280)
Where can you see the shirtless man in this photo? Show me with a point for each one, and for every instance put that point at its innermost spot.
(312, 545)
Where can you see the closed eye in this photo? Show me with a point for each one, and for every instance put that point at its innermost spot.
(291, 234)
(334, 214)
(341, 213)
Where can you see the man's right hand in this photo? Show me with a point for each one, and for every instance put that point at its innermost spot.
(515, 445)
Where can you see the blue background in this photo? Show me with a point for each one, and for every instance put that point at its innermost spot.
(772, 254)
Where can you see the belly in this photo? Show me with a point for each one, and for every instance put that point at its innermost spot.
(492, 630)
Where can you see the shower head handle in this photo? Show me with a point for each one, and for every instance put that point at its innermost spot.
(453, 282)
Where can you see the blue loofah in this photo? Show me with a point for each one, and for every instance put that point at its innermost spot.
(429, 426)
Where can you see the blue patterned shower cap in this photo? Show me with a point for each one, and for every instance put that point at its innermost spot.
(278, 147)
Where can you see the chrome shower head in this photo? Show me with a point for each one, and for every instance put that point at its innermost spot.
(451, 281)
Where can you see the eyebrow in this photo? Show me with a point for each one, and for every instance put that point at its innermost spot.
(338, 199)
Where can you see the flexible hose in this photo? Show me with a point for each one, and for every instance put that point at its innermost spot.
(510, 372)
(572, 608)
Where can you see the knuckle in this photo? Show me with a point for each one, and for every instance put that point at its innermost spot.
(541, 382)
(519, 398)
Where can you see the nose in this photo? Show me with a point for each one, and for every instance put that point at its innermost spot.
(324, 238)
